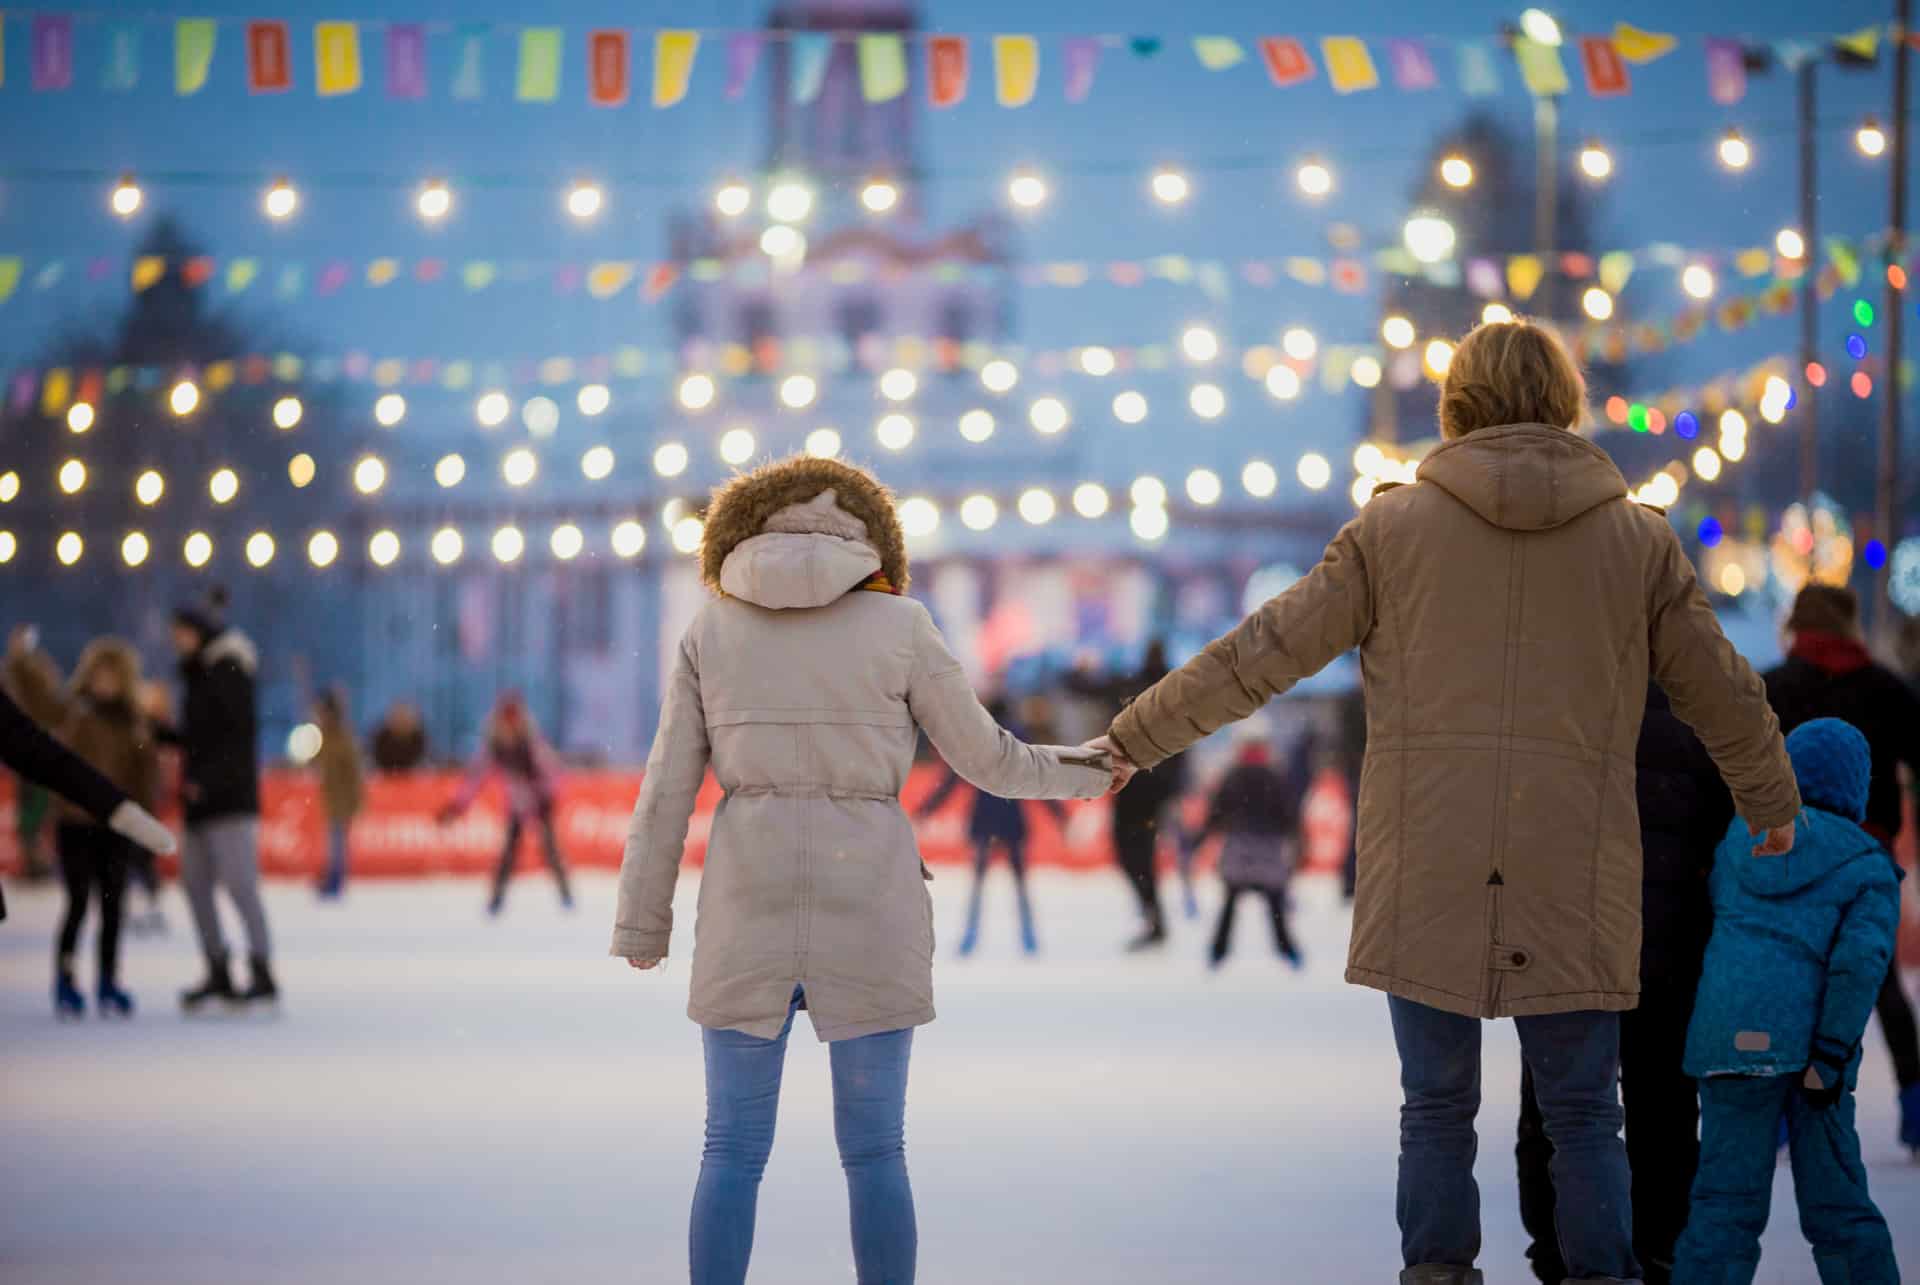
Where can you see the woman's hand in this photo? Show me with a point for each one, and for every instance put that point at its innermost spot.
(1123, 768)
(642, 964)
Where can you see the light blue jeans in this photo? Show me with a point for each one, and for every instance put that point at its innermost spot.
(869, 1123)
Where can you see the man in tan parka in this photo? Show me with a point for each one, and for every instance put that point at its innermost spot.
(1509, 607)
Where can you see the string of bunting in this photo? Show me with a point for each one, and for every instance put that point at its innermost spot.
(403, 57)
(1491, 277)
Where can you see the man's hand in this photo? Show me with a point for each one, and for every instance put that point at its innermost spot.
(1123, 768)
(642, 964)
(23, 640)
(1774, 842)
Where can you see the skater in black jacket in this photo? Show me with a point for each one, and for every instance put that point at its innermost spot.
(1684, 813)
(1256, 813)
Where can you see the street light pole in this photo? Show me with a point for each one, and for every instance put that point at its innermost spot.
(1546, 180)
(1809, 296)
(1887, 497)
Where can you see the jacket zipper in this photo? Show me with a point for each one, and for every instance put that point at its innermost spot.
(1496, 935)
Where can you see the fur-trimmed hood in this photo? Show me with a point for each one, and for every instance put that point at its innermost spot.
(115, 654)
(840, 515)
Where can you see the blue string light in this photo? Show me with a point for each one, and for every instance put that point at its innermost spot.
(1686, 425)
(1856, 346)
(1874, 554)
(1709, 531)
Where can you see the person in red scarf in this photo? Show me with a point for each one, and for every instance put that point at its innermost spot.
(1829, 673)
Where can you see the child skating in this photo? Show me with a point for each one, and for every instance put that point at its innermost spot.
(1256, 815)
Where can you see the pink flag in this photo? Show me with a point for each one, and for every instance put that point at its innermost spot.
(1412, 68)
(1080, 55)
(1726, 71)
(406, 60)
(743, 51)
(52, 41)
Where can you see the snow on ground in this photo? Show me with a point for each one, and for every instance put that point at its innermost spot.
(445, 1098)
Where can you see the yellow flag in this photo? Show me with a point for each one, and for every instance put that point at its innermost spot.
(604, 280)
(240, 274)
(1540, 67)
(336, 58)
(1638, 46)
(1616, 266)
(1863, 44)
(56, 390)
(382, 271)
(1016, 69)
(1349, 65)
(147, 269)
(1754, 262)
(673, 53)
(1523, 275)
(219, 375)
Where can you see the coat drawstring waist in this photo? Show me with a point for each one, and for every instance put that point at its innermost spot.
(809, 792)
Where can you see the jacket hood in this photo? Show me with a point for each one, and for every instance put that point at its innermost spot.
(1833, 765)
(115, 654)
(801, 532)
(1525, 477)
(1822, 843)
(231, 645)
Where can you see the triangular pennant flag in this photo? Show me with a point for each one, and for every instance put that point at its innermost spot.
(1412, 67)
(470, 63)
(1144, 46)
(56, 390)
(883, 66)
(477, 275)
(336, 58)
(1605, 68)
(1349, 65)
(1795, 54)
(269, 58)
(121, 71)
(1641, 47)
(1016, 64)
(382, 271)
(1616, 269)
(1523, 275)
(1217, 53)
(538, 77)
(196, 272)
(946, 70)
(1862, 45)
(660, 279)
(50, 41)
(1287, 60)
(1079, 56)
(604, 280)
(609, 67)
(1540, 67)
(673, 55)
(192, 54)
(1479, 73)
(148, 269)
(406, 60)
(1726, 71)
(240, 274)
(743, 51)
(811, 53)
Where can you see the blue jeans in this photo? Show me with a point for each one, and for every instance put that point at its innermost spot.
(1575, 1060)
(335, 878)
(1733, 1191)
(869, 1123)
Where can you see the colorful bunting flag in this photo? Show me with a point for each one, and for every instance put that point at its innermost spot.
(604, 280)
(1641, 47)
(382, 271)
(1144, 46)
(1616, 269)
(946, 70)
(1523, 275)
(673, 55)
(336, 58)
(608, 67)
(192, 54)
(810, 54)
(269, 58)
(660, 279)
(743, 51)
(56, 390)
(1079, 55)
(470, 63)
(121, 70)
(1016, 63)
(240, 274)
(406, 60)
(1862, 45)
(1726, 71)
(477, 275)
(1540, 67)
(1349, 65)
(883, 66)
(1479, 73)
(1217, 53)
(147, 269)
(538, 77)
(1606, 69)
(1287, 60)
(51, 41)
(1412, 67)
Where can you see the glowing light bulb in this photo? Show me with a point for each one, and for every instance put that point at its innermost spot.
(1429, 238)
(1129, 407)
(322, 548)
(566, 542)
(1149, 522)
(823, 443)
(1437, 357)
(1789, 243)
(1596, 162)
(541, 415)
(1495, 314)
(68, 548)
(259, 548)
(79, 417)
(8, 546)
(687, 534)
(1203, 486)
(519, 466)
(897, 385)
(736, 446)
(183, 397)
(670, 459)
(1314, 178)
(1597, 303)
(999, 375)
(1282, 382)
(149, 487)
(1170, 186)
(696, 391)
(1199, 344)
(630, 537)
(369, 474)
(1097, 361)
(492, 409)
(976, 425)
(919, 517)
(1148, 492)
(798, 391)
(1706, 464)
(789, 201)
(280, 200)
(197, 549)
(449, 471)
(1037, 506)
(597, 463)
(1260, 479)
(1456, 171)
(383, 546)
(1870, 138)
(1697, 281)
(1314, 471)
(1299, 343)
(1734, 152)
(508, 544)
(732, 198)
(434, 201)
(9, 486)
(1207, 401)
(389, 409)
(134, 549)
(593, 399)
(895, 431)
(979, 512)
(1365, 372)
(1048, 415)
(783, 243)
(223, 486)
(879, 196)
(446, 546)
(1397, 331)
(300, 470)
(583, 202)
(1539, 26)
(1027, 190)
(126, 197)
(286, 413)
(1090, 500)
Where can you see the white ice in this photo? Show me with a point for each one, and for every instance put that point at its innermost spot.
(445, 1098)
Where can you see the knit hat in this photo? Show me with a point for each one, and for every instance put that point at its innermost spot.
(204, 618)
(1831, 761)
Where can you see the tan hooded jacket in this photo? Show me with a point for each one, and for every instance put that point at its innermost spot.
(117, 742)
(807, 695)
(1508, 608)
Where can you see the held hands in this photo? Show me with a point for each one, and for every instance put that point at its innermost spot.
(642, 964)
(1774, 842)
(1123, 768)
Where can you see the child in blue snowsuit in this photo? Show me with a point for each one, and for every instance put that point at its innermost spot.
(1800, 945)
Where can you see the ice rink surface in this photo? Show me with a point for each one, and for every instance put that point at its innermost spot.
(446, 1098)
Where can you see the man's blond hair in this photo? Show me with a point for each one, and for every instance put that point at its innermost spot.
(1511, 372)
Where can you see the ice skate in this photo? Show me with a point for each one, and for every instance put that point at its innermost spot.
(68, 1004)
(1910, 1119)
(260, 985)
(217, 989)
(1152, 937)
(111, 1001)
(968, 943)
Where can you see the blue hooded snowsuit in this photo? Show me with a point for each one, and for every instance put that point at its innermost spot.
(1800, 945)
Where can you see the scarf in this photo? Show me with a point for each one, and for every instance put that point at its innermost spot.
(877, 583)
(1834, 653)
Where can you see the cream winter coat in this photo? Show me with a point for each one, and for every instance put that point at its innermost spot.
(807, 694)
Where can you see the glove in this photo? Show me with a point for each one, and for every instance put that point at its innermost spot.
(447, 815)
(131, 821)
(1826, 1077)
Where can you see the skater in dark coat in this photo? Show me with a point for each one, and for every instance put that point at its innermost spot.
(513, 750)
(1256, 814)
(1828, 673)
(994, 823)
(1684, 810)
